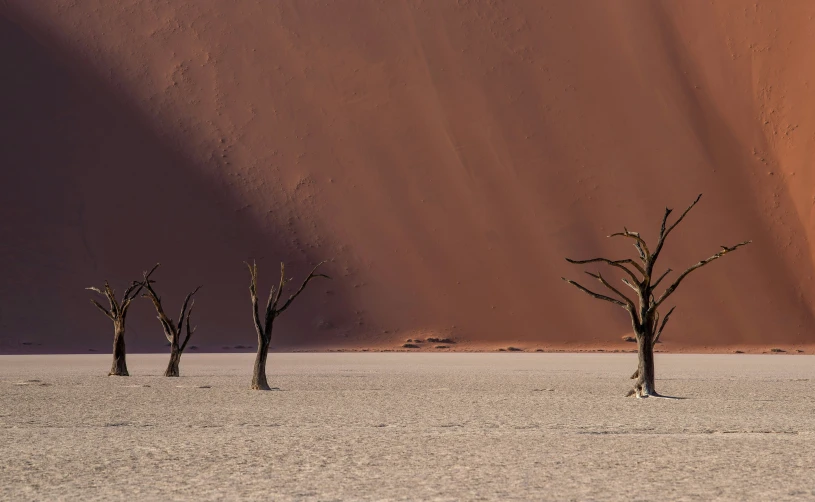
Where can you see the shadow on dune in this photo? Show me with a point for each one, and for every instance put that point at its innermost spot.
(90, 191)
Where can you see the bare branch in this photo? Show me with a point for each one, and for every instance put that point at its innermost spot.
(184, 308)
(103, 309)
(253, 273)
(654, 285)
(668, 212)
(166, 323)
(283, 282)
(702, 263)
(131, 293)
(664, 322)
(189, 331)
(632, 286)
(663, 234)
(639, 243)
(111, 295)
(311, 276)
(613, 263)
(96, 290)
(596, 295)
(615, 290)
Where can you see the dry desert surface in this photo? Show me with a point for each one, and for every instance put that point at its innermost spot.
(407, 427)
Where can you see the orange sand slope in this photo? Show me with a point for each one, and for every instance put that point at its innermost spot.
(445, 156)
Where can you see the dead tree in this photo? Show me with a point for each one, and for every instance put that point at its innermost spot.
(264, 327)
(117, 313)
(645, 313)
(173, 330)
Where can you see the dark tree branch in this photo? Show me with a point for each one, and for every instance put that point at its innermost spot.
(668, 212)
(613, 263)
(596, 295)
(632, 286)
(311, 276)
(280, 286)
(702, 263)
(187, 320)
(654, 285)
(664, 322)
(184, 308)
(253, 273)
(605, 283)
(642, 247)
(663, 234)
(111, 294)
(103, 309)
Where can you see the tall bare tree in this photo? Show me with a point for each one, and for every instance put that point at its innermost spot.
(645, 313)
(118, 313)
(173, 331)
(264, 326)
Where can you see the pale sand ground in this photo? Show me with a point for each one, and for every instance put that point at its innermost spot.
(408, 427)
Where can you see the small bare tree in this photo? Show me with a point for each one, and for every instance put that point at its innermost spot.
(264, 327)
(173, 330)
(645, 314)
(117, 313)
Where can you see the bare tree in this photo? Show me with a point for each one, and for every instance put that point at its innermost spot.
(645, 313)
(264, 327)
(117, 313)
(173, 330)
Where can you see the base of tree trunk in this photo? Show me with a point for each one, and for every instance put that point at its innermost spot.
(119, 368)
(260, 386)
(172, 367)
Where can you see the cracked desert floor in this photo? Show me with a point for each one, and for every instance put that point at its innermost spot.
(390, 426)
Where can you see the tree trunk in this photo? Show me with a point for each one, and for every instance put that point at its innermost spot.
(119, 366)
(259, 374)
(644, 384)
(175, 358)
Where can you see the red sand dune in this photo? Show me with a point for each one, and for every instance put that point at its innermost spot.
(446, 156)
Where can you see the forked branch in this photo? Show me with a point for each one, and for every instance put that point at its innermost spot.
(628, 302)
(311, 276)
(664, 322)
(614, 263)
(596, 295)
(118, 309)
(663, 232)
(639, 243)
(172, 331)
(699, 265)
(275, 294)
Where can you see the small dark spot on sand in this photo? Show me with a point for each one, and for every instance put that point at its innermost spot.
(514, 349)
(777, 350)
(629, 339)
(410, 346)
